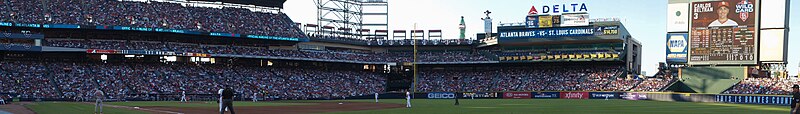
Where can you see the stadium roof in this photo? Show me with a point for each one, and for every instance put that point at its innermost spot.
(265, 3)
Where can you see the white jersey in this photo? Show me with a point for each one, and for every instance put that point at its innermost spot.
(729, 22)
(220, 93)
(408, 99)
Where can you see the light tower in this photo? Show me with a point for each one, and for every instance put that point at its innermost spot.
(348, 15)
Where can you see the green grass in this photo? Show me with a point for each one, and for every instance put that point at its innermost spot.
(74, 108)
(468, 106)
(201, 103)
(562, 106)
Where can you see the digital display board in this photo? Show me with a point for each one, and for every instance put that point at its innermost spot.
(532, 21)
(723, 32)
(558, 32)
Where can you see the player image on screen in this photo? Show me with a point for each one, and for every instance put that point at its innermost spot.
(723, 19)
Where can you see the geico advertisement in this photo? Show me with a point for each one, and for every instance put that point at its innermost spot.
(441, 95)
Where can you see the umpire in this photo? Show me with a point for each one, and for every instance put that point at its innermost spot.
(227, 100)
(795, 99)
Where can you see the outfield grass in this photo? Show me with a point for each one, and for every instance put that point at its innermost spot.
(74, 108)
(562, 106)
(468, 106)
(203, 103)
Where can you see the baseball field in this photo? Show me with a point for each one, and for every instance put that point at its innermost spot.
(420, 106)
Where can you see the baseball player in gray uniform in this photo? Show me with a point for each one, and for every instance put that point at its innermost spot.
(98, 102)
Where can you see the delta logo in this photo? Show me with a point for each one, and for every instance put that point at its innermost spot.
(559, 8)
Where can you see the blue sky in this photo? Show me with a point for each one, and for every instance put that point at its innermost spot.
(644, 19)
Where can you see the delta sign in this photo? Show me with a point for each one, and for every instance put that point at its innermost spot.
(559, 8)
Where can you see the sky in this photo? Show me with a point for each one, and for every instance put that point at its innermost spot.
(644, 19)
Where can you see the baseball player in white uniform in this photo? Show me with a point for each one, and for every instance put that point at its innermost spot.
(254, 97)
(2, 100)
(220, 99)
(408, 99)
(183, 96)
(376, 97)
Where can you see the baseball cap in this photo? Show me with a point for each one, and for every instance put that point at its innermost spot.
(725, 4)
(795, 86)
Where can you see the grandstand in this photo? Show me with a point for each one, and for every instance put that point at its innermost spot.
(153, 50)
(98, 50)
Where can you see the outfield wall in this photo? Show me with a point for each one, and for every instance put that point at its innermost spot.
(654, 96)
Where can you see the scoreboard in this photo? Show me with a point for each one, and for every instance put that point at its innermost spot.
(723, 44)
(723, 32)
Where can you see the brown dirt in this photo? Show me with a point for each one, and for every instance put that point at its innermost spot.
(295, 109)
(16, 108)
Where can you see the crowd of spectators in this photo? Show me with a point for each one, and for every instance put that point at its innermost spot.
(75, 80)
(544, 78)
(762, 86)
(623, 84)
(404, 56)
(654, 83)
(150, 15)
(29, 79)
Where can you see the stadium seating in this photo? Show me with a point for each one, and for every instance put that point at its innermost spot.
(73, 80)
(544, 78)
(762, 86)
(150, 15)
(403, 56)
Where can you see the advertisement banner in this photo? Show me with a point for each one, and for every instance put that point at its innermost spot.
(545, 95)
(441, 95)
(743, 99)
(558, 32)
(479, 95)
(603, 95)
(516, 95)
(66, 26)
(678, 17)
(723, 32)
(574, 20)
(677, 47)
(574, 95)
(634, 96)
(532, 22)
(545, 21)
(101, 51)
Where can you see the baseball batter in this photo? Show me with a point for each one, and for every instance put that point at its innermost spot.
(98, 102)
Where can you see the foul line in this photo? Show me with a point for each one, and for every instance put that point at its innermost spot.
(152, 110)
